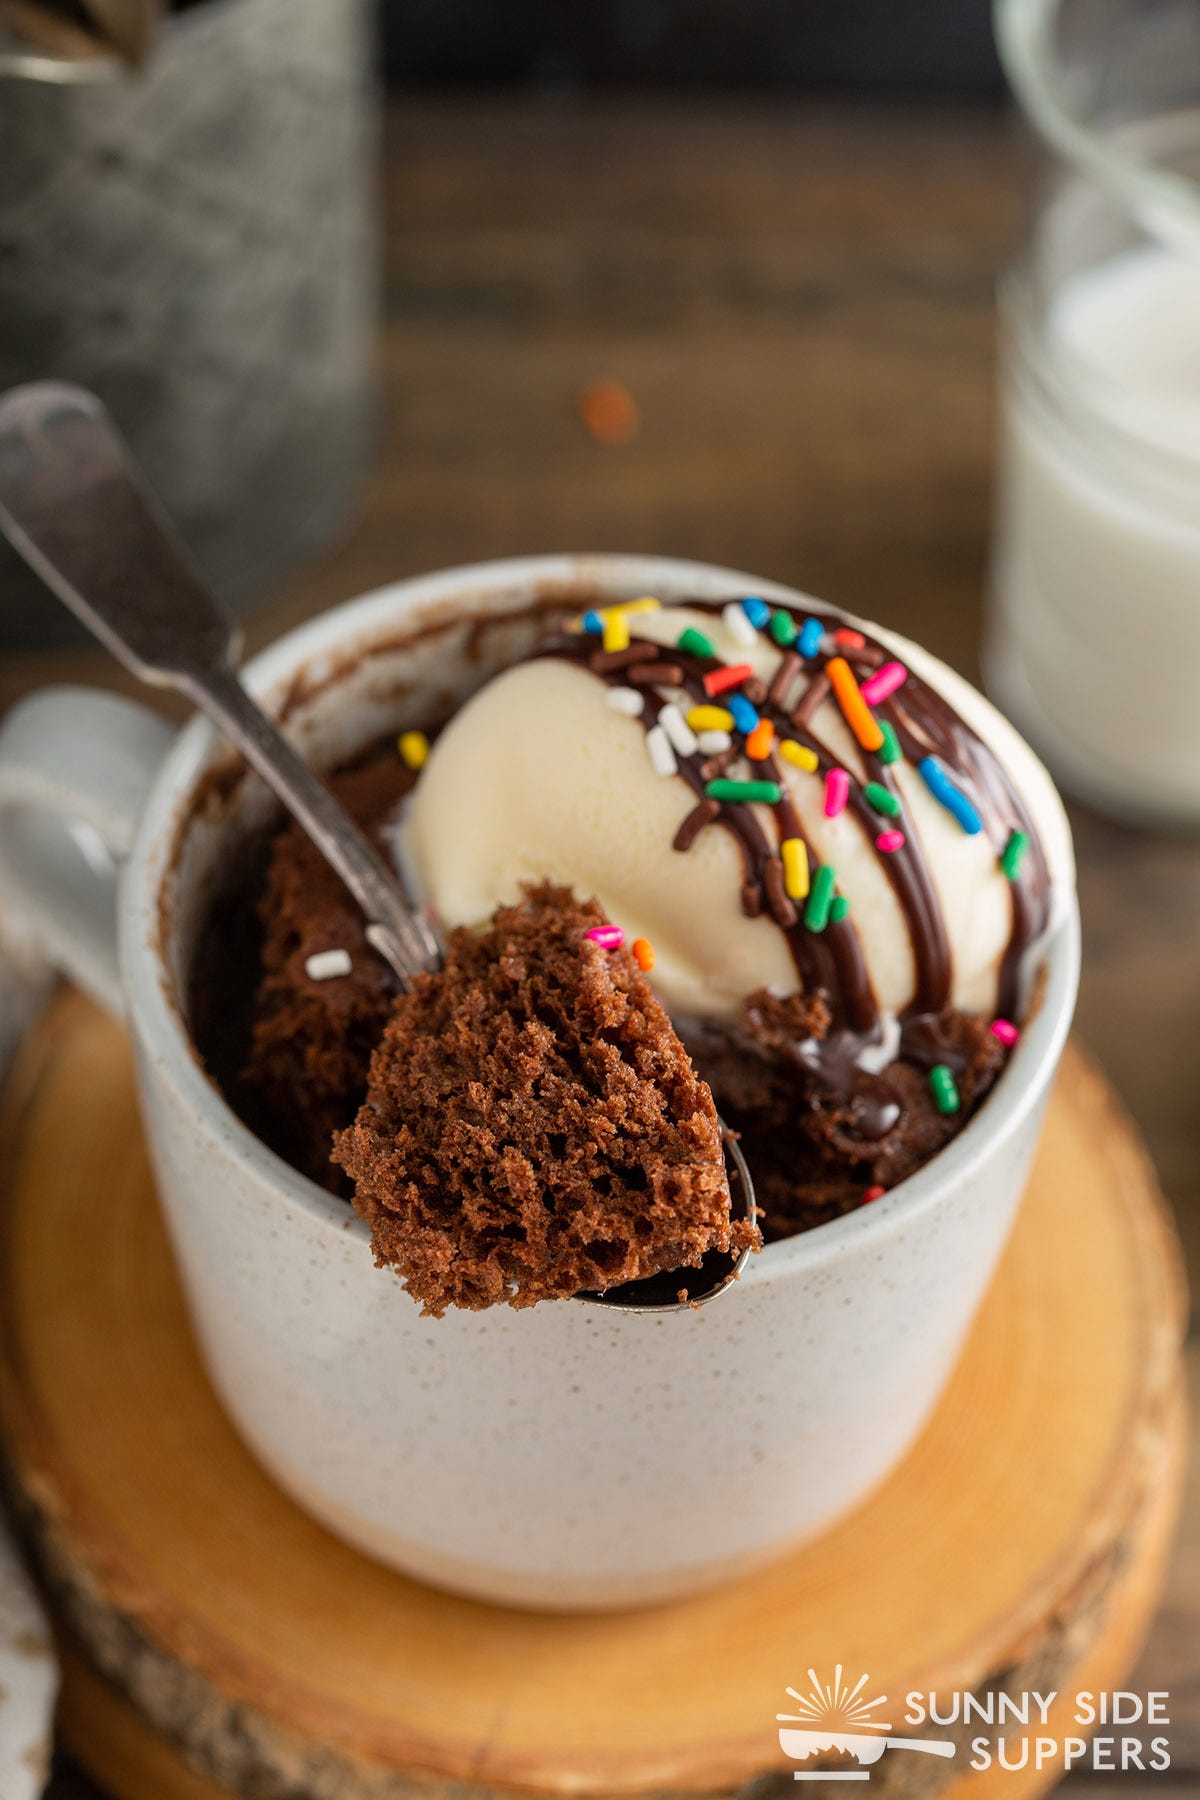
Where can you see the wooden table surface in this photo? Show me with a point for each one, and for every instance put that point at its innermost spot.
(800, 298)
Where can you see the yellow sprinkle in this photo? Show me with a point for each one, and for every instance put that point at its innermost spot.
(414, 748)
(616, 631)
(710, 718)
(646, 604)
(794, 855)
(796, 753)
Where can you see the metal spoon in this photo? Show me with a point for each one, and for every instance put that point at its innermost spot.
(74, 506)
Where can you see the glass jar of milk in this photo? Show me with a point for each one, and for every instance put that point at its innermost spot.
(1093, 639)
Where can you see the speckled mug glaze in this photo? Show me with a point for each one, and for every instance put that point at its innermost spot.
(567, 1456)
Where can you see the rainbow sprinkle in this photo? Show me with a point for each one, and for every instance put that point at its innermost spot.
(873, 1193)
(719, 681)
(793, 853)
(883, 682)
(820, 899)
(1005, 1031)
(591, 622)
(626, 700)
(852, 640)
(616, 631)
(683, 738)
(324, 965)
(694, 643)
(414, 749)
(784, 629)
(662, 756)
(609, 937)
(769, 792)
(760, 740)
(837, 792)
(838, 908)
(745, 716)
(944, 1089)
(811, 634)
(889, 750)
(881, 799)
(799, 755)
(756, 610)
(887, 841)
(1014, 854)
(643, 954)
(950, 796)
(713, 743)
(709, 718)
(855, 710)
(738, 623)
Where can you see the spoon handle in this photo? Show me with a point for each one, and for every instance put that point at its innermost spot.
(73, 505)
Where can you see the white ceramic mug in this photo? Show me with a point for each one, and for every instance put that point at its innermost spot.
(567, 1455)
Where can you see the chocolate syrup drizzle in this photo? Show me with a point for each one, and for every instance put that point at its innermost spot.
(831, 962)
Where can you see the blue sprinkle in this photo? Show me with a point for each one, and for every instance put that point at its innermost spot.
(744, 715)
(756, 610)
(951, 797)
(811, 633)
(592, 622)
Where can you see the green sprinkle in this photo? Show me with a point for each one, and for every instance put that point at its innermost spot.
(889, 751)
(767, 791)
(944, 1089)
(820, 898)
(839, 908)
(694, 642)
(1014, 854)
(784, 629)
(882, 799)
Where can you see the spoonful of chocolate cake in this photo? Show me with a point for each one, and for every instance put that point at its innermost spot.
(532, 1126)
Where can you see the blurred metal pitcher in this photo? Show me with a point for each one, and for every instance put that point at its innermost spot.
(195, 241)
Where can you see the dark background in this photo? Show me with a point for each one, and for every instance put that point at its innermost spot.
(918, 47)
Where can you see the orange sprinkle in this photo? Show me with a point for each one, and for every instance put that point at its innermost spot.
(857, 713)
(758, 744)
(608, 412)
(643, 954)
(853, 640)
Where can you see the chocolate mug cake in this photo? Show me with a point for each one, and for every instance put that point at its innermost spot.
(760, 820)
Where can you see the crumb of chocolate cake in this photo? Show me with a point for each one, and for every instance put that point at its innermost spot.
(533, 1127)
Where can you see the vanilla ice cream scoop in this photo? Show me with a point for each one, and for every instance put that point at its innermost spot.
(884, 855)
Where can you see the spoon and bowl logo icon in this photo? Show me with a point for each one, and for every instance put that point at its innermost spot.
(834, 1717)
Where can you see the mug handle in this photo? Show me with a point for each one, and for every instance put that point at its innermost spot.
(76, 768)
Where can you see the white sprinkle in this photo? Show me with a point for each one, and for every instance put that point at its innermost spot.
(712, 743)
(662, 757)
(683, 738)
(734, 619)
(876, 1057)
(626, 700)
(327, 963)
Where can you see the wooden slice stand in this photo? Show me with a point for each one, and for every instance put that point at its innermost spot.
(218, 1640)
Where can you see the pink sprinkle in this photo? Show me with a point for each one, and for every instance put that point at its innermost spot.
(837, 792)
(890, 840)
(1006, 1031)
(609, 937)
(885, 681)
